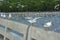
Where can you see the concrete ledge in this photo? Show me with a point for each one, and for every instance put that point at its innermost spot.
(34, 32)
(41, 34)
(19, 27)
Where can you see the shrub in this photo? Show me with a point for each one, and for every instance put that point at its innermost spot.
(28, 5)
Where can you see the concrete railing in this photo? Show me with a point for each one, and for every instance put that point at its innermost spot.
(19, 27)
(40, 34)
(34, 32)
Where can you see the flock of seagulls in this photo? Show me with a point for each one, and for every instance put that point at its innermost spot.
(3, 15)
(30, 20)
(33, 20)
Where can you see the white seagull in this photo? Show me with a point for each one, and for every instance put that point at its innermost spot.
(33, 20)
(48, 24)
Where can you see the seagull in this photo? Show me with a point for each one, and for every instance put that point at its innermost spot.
(10, 16)
(33, 20)
(3, 15)
(48, 24)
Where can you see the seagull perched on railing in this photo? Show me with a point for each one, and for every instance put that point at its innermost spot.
(32, 20)
(48, 24)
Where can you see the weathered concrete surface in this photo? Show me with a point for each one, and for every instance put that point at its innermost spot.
(40, 34)
(19, 27)
(6, 35)
(34, 32)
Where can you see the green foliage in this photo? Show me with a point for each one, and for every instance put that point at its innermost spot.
(27, 5)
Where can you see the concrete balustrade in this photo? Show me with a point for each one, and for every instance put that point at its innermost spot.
(19, 27)
(34, 32)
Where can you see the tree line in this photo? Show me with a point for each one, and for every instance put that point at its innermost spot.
(29, 5)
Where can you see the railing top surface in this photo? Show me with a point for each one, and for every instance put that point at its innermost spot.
(31, 12)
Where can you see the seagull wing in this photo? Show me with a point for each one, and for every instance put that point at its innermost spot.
(30, 21)
(36, 18)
